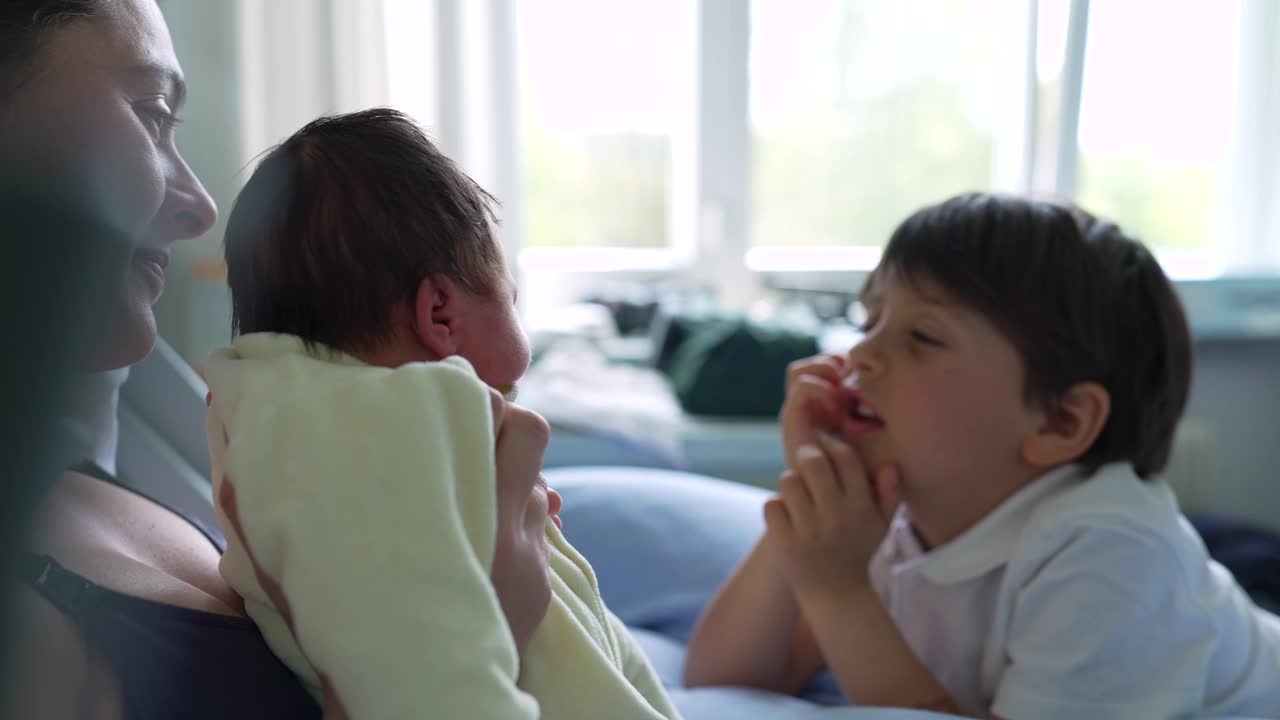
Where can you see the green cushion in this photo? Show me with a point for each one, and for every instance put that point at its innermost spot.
(735, 367)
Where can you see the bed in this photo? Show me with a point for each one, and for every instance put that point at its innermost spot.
(637, 527)
(661, 541)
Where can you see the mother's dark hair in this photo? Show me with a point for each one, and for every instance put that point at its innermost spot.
(24, 24)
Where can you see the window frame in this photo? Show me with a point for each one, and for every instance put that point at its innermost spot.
(710, 183)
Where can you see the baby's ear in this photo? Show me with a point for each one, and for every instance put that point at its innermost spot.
(435, 312)
(1070, 426)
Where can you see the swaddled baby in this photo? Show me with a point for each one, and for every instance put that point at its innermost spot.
(392, 497)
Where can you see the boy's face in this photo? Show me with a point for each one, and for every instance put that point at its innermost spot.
(496, 344)
(937, 391)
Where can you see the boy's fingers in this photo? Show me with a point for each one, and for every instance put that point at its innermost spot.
(828, 367)
(820, 478)
(776, 517)
(888, 491)
(847, 463)
(795, 495)
(857, 494)
(812, 398)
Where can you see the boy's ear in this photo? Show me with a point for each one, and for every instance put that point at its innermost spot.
(435, 315)
(1070, 427)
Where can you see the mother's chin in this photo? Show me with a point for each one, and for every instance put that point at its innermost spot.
(127, 324)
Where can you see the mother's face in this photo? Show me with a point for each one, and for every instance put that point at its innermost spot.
(95, 121)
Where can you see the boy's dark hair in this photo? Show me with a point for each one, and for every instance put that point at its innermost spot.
(342, 221)
(1079, 299)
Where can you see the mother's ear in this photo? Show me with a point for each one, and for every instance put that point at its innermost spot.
(1070, 426)
(436, 314)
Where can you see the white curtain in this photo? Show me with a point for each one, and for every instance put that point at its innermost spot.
(257, 71)
(1252, 196)
(299, 59)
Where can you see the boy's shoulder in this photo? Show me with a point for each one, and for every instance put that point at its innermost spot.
(1111, 522)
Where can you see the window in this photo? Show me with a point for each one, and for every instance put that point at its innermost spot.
(1156, 117)
(862, 111)
(601, 94)
(732, 143)
(410, 31)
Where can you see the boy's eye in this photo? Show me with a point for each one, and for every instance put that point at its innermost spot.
(925, 338)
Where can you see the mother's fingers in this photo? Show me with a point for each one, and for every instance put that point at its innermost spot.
(230, 508)
(332, 704)
(499, 407)
(522, 437)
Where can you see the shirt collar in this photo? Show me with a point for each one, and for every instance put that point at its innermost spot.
(984, 546)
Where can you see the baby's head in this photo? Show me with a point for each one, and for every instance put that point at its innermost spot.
(1007, 328)
(358, 234)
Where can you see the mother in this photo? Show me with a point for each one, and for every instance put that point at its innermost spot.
(121, 610)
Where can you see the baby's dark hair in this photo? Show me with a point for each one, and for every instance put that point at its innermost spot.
(342, 221)
(1080, 300)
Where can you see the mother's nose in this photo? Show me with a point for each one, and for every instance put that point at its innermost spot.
(188, 210)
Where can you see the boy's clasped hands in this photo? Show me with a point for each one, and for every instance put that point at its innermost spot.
(831, 512)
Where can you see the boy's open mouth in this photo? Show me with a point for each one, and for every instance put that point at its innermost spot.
(862, 417)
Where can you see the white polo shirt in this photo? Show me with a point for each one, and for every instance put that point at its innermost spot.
(1082, 598)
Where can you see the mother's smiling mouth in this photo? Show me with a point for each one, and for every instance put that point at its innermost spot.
(151, 263)
(156, 256)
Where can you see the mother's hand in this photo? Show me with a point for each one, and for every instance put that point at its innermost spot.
(332, 704)
(524, 503)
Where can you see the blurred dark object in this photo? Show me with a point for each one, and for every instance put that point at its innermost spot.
(669, 332)
(730, 366)
(1250, 552)
(826, 304)
(54, 285)
(633, 310)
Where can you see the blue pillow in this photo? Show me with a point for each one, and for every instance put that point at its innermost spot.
(661, 541)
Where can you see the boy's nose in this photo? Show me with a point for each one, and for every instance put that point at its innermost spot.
(864, 360)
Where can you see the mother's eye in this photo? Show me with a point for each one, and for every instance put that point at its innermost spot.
(159, 119)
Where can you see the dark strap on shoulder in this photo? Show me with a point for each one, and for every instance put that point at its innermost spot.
(94, 470)
(64, 589)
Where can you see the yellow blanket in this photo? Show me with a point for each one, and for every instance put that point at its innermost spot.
(369, 493)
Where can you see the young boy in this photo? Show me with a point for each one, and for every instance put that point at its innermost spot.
(388, 525)
(971, 520)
